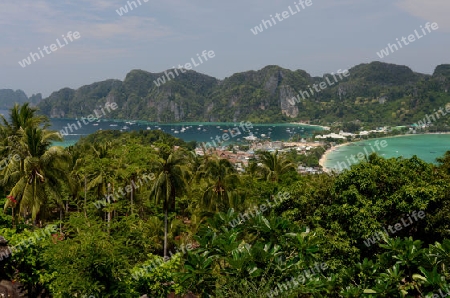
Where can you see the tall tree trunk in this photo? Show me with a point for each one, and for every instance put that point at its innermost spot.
(60, 219)
(109, 212)
(132, 192)
(165, 234)
(85, 197)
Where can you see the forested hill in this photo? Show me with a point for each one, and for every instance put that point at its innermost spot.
(373, 93)
(9, 97)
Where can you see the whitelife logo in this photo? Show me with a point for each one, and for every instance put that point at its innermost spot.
(323, 85)
(225, 137)
(411, 38)
(124, 9)
(360, 156)
(162, 80)
(53, 48)
(427, 119)
(398, 227)
(120, 191)
(240, 219)
(281, 16)
(109, 106)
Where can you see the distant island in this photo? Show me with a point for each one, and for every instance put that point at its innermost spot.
(372, 95)
(9, 97)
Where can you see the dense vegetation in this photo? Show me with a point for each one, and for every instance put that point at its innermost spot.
(265, 233)
(374, 94)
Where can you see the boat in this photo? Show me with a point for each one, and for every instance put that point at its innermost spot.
(148, 128)
(251, 138)
(113, 125)
(176, 131)
(95, 124)
(125, 127)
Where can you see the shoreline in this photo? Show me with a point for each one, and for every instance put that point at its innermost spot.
(323, 158)
(314, 125)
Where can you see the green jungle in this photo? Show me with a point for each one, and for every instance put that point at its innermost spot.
(139, 214)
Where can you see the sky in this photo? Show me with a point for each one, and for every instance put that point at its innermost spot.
(323, 37)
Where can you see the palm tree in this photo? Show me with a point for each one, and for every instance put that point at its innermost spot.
(75, 176)
(274, 165)
(102, 175)
(221, 194)
(22, 117)
(37, 174)
(171, 181)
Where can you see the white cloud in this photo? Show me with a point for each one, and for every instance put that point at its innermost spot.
(429, 10)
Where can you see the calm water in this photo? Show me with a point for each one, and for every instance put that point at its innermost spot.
(426, 147)
(189, 131)
(200, 132)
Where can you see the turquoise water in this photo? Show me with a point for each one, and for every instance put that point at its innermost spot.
(189, 131)
(427, 147)
(192, 131)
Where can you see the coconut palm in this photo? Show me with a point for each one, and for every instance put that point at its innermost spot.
(222, 179)
(22, 117)
(75, 176)
(274, 165)
(102, 176)
(37, 175)
(171, 181)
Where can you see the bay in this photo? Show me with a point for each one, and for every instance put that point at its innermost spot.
(189, 131)
(427, 147)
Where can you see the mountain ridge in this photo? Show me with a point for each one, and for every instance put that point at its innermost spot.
(8, 97)
(261, 96)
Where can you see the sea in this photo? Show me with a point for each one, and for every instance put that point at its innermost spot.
(202, 132)
(427, 147)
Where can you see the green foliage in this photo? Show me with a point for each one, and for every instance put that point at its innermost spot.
(117, 250)
(374, 93)
(156, 277)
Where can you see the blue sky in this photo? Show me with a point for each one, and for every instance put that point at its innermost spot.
(327, 36)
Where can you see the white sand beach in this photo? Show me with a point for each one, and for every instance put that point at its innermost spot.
(323, 159)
